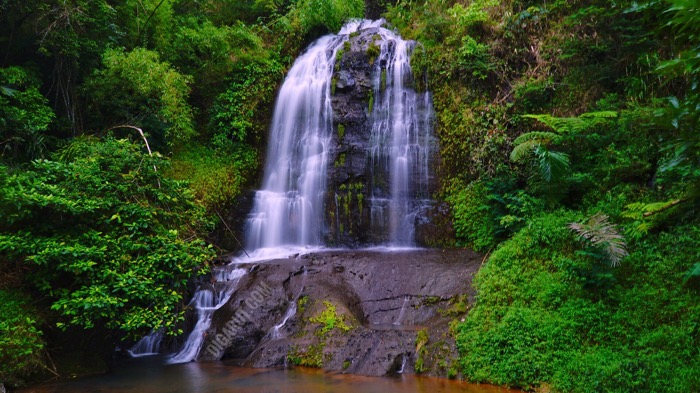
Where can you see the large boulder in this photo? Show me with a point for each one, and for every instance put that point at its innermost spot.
(362, 312)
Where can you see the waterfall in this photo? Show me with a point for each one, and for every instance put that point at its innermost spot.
(147, 345)
(288, 210)
(404, 362)
(401, 142)
(205, 301)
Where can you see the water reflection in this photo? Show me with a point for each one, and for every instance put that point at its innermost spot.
(149, 375)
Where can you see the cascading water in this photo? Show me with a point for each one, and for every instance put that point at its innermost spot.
(288, 210)
(399, 319)
(148, 345)
(205, 301)
(276, 333)
(401, 142)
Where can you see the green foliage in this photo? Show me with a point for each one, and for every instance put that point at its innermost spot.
(301, 303)
(422, 339)
(533, 95)
(553, 165)
(209, 52)
(373, 51)
(234, 114)
(146, 23)
(215, 178)
(312, 357)
(474, 56)
(473, 138)
(21, 342)
(542, 319)
(681, 116)
(106, 237)
(341, 131)
(137, 89)
(329, 319)
(328, 15)
(473, 215)
(24, 116)
(474, 14)
(574, 125)
(602, 235)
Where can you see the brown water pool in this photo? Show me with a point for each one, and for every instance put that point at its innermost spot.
(150, 375)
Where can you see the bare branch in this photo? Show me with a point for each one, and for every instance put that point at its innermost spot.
(144, 139)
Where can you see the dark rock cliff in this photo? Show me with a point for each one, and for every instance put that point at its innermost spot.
(362, 312)
(359, 79)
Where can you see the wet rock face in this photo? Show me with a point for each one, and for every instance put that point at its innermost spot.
(347, 217)
(359, 312)
(379, 176)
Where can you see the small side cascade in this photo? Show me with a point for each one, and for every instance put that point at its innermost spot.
(404, 362)
(205, 301)
(399, 319)
(147, 346)
(276, 333)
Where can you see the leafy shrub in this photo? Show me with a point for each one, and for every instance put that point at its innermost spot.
(24, 116)
(21, 343)
(474, 57)
(474, 222)
(138, 89)
(541, 317)
(106, 237)
(235, 114)
(328, 15)
(215, 178)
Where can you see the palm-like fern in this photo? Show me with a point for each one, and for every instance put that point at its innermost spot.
(526, 143)
(552, 164)
(573, 125)
(602, 235)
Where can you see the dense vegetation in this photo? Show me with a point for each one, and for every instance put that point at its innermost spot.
(127, 129)
(570, 155)
(569, 146)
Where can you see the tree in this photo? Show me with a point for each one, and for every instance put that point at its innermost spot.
(137, 88)
(24, 116)
(104, 235)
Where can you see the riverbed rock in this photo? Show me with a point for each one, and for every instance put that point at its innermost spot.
(362, 312)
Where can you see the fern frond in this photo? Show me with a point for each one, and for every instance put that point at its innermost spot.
(641, 210)
(551, 164)
(561, 125)
(543, 137)
(599, 115)
(693, 272)
(573, 125)
(603, 235)
(523, 150)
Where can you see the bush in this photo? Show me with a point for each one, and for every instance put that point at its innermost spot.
(548, 313)
(138, 89)
(215, 178)
(474, 222)
(21, 343)
(105, 236)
